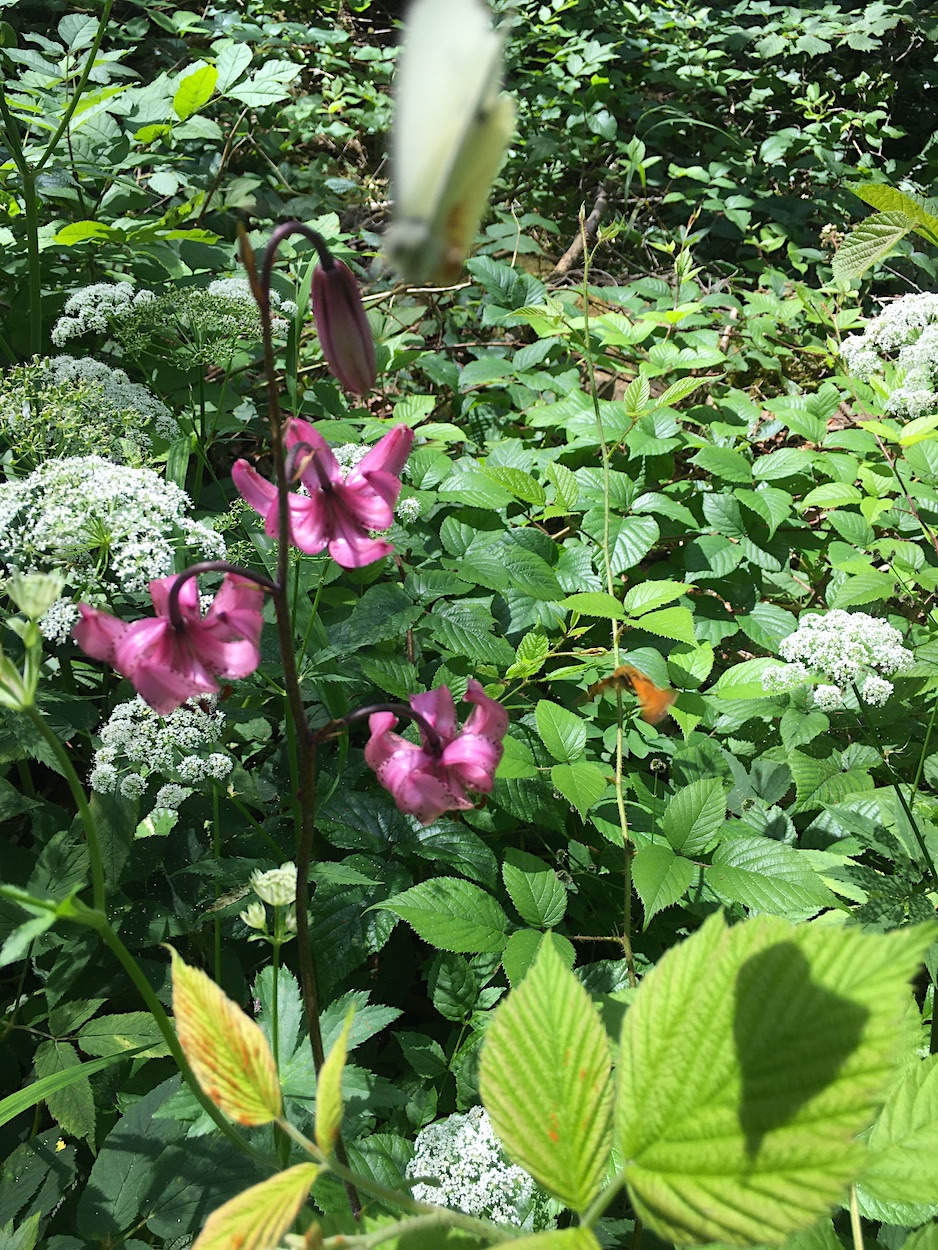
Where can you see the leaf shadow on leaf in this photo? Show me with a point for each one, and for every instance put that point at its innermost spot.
(792, 1038)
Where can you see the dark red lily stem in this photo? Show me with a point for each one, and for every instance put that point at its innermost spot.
(209, 566)
(334, 728)
(306, 747)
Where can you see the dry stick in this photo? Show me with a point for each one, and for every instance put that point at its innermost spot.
(586, 234)
(306, 749)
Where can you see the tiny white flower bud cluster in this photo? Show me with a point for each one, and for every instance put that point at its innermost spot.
(474, 1174)
(109, 527)
(138, 747)
(904, 334)
(57, 623)
(94, 309)
(845, 648)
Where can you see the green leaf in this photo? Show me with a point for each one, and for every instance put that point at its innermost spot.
(476, 489)
(532, 651)
(545, 1080)
(583, 784)
(676, 623)
(902, 1163)
(767, 876)
(329, 1089)
(71, 1105)
(751, 1058)
(16, 1103)
(869, 242)
(561, 731)
(649, 595)
(595, 603)
(561, 1239)
(424, 1055)
(871, 586)
(133, 1031)
(694, 816)
(452, 915)
(823, 782)
(660, 878)
(522, 485)
(267, 85)
(195, 91)
(521, 951)
(887, 199)
(564, 483)
(539, 897)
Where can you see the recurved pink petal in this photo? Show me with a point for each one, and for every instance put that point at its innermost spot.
(389, 454)
(488, 718)
(473, 760)
(253, 488)
(97, 632)
(165, 690)
(236, 611)
(362, 506)
(438, 708)
(309, 523)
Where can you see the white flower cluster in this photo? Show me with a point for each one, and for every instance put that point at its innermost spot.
(106, 526)
(276, 886)
(238, 292)
(58, 405)
(905, 334)
(138, 746)
(474, 1174)
(95, 308)
(845, 648)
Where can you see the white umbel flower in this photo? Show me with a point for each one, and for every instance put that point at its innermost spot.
(276, 887)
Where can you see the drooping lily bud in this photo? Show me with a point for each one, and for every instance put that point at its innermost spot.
(344, 332)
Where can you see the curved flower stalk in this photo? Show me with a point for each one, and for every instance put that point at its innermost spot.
(180, 653)
(339, 511)
(436, 776)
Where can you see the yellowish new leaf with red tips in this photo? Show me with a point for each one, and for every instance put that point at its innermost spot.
(227, 1050)
(258, 1218)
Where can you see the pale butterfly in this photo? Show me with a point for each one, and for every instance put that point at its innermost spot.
(452, 125)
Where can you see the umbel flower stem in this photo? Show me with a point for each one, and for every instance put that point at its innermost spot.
(305, 743)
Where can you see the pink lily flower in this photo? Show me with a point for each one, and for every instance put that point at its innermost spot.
(427, 780)
(339, 509)
(168, 664)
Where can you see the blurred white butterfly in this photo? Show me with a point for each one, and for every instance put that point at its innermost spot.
(451, 128)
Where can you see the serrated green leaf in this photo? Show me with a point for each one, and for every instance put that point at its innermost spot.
(694, 816)
(561, 731)
(887, 199)
(823, 782)
(521, 951)
(751, 1058)
(676, 623)
(452, 915)
(583, 784)
(16, 1103)
(522, 485)
(767, 876)
(595, 603)
(532, 651)
(647, 596)
(538, 896)
(902, 1163)
(545, 1080)
(120, 1034)
(71, 1105)
(869, 242)
(660, 878)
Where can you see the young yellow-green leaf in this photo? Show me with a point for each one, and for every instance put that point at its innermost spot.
(559, 1239)
(595, 603)
(258, 1218)
(888, 199)
(545, 1081)
(194, 91)
(329, 1089)
(751, 1058)
(874, 238)
(902, 1164)
(227, 1050)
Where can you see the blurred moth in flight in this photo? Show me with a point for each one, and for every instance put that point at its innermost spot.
(653, 702)
(452, 125)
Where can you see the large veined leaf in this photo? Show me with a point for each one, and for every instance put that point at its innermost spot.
(872, 239)
(660, 877)
(545, 1081)
(537, 894)
(887, 199)
(902, 1165)
(452, 915)
(751, 1058)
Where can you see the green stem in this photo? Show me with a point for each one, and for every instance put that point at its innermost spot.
(88, 821)
(856, 1227)
(216, 852)
(627, 845)
(602, 1200)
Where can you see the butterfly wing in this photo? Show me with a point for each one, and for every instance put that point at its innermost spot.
(450, 132)
(653, 701)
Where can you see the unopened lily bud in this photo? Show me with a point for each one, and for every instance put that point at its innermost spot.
(344, 332)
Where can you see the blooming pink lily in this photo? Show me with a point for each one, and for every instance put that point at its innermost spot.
(340, 509)
(168, 663)
(427, 780)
